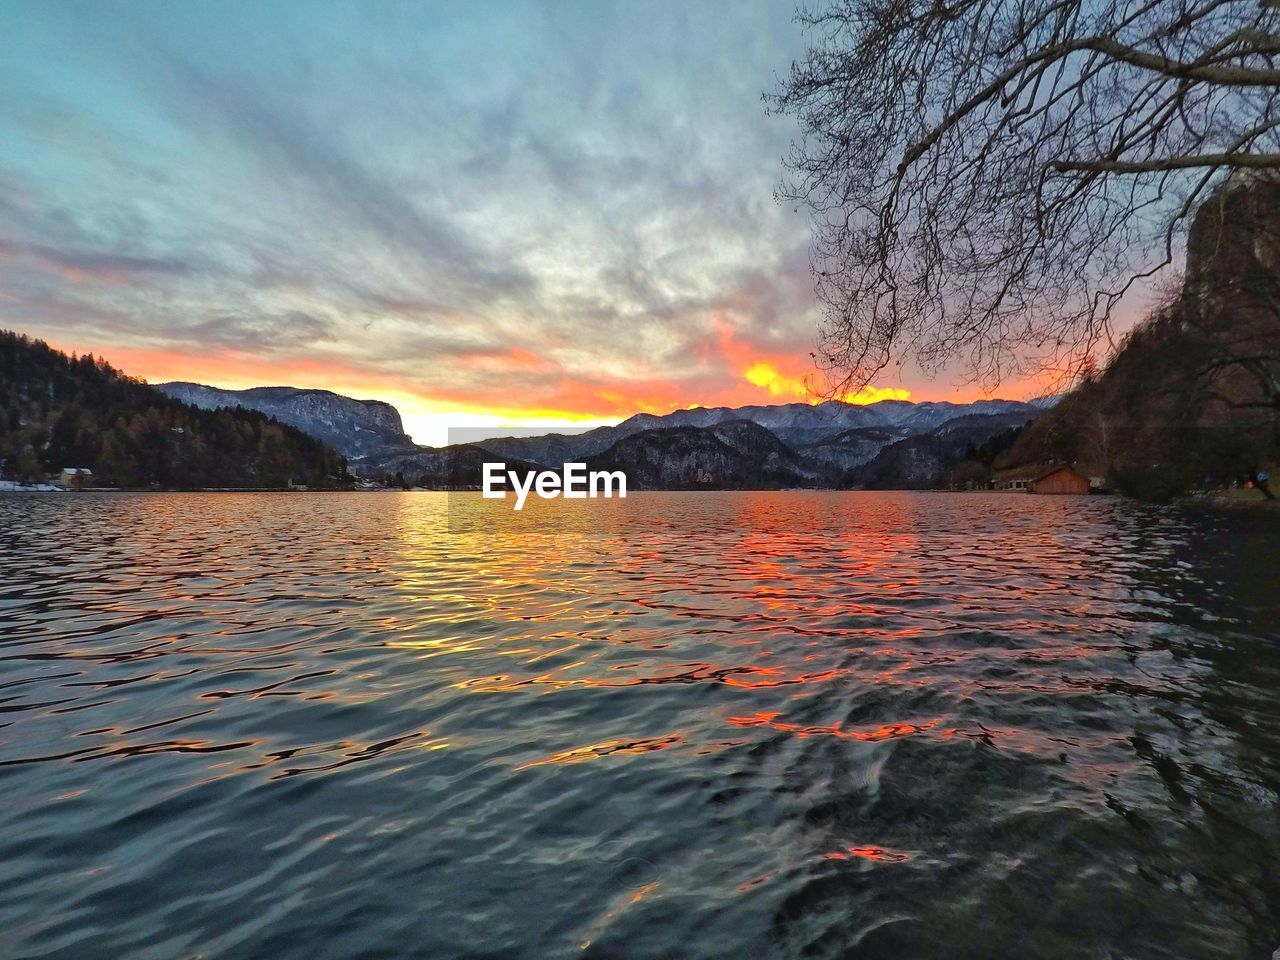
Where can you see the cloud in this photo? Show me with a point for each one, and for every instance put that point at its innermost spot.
(86, 266)
(303, 160)
(258, 332)
(566, 207)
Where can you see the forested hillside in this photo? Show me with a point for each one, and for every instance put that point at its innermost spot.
(1191, 399)
(60, 411)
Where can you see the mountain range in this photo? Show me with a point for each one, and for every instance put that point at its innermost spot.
(890, 443)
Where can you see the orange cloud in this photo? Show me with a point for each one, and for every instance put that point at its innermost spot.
(521, 386)
(781, 377)
(427, 408)
(764, 374)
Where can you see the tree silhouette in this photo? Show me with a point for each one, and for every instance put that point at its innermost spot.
(987, 178)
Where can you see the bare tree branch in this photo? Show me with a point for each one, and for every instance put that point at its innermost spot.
(987, 178)
(1235, 161)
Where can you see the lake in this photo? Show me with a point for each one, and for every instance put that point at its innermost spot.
(679, 725)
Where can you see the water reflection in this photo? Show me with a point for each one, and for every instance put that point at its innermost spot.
(822, 724)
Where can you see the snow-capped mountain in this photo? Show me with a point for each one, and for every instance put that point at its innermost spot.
(791, 443)
(355, 428)
(798, 425)
(830, 444)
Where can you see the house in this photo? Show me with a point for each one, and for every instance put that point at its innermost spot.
(1016, 478)
(76, 478)
(1043, 478)
(1061, 480)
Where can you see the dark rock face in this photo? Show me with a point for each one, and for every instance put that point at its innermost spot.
(1233, 246)
(355, 428)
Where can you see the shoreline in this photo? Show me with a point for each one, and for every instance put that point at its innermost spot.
(1207, 501)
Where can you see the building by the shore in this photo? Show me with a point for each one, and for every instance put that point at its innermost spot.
(76, 478)
(1047, 478)
(1060, 480)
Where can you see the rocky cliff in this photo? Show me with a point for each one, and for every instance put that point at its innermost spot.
(1191, 399)
(355, 428)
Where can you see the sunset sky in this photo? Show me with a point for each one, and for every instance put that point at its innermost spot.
(480, 212)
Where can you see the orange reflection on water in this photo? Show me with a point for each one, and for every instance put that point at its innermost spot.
(619, 905)
(701, 673)
(607, 748)
(888, 731)
(878, 854)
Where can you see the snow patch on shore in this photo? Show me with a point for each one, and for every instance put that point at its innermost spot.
(13, 486)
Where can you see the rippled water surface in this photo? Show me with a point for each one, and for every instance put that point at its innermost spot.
(680, 725)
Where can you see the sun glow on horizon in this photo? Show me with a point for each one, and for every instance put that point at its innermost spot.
(430, 410)
(431, 427)
(766, 375)
(871, 394)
